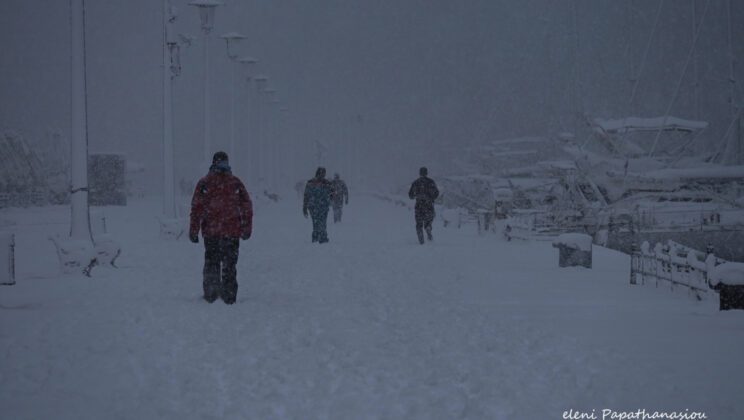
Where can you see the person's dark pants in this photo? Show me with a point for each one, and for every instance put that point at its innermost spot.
(337, 212)
(319, 225)
(424, 218)
(220, 252)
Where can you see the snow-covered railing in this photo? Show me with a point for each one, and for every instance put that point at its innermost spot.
(540, 224)
(675, 263)
(631, 124)
(692, 219)
(25, 199)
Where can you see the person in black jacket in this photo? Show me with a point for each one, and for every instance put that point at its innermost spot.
(425, 191)
(316, 201)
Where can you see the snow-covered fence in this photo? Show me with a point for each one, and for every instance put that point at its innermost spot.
(544, 225)
(7, 259)
(485, 220)
(675, 263)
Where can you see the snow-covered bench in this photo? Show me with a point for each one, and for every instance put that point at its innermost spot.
(574, 249)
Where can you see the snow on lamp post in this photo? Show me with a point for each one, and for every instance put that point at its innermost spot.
(79, 251)
(232, 37)
(206, 14)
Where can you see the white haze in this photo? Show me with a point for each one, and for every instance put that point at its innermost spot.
(407, 83)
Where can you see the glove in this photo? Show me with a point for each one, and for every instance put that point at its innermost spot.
(304, 212)
(194, 237)
(245, 235)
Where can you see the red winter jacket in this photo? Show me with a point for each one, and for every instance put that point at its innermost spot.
(221, 206)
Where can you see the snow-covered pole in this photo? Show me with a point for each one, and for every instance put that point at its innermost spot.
(80, 223)
(169, 44)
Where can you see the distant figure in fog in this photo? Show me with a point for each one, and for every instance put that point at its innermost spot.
(316, 201)
(424, 191)
(222, 209)
(339, 196)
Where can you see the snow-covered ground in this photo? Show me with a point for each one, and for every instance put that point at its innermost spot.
(371, 325)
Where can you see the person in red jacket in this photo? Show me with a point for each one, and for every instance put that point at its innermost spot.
(222, 209)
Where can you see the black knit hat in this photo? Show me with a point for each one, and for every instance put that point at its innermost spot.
(219, 157)
(423, 171)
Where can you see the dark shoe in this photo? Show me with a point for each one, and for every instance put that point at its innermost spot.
(210, 299)
(228, 298)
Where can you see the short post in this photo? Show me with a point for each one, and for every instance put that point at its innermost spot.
(7, 265)
(709, 258)
(634, 263)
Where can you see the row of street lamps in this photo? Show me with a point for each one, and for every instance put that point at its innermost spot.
(206, 10)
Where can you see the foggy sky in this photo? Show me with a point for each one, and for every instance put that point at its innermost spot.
(406, 81)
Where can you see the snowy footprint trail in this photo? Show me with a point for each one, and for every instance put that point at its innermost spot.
(370, 325)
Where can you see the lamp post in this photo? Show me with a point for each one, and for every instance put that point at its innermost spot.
(206, 14)
(232, 37)
(287, 176)
(270, 139)
(80, 223)
(261, 82)
(171, 69)
(247, 63)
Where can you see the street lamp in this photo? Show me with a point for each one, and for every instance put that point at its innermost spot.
(289, 175)
(232, 37)
(206, 14)
(261, 82)
(270, 140)
(171, 69)
(247, 63)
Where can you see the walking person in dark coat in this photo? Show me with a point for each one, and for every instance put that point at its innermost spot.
(339, 196)
(425, 191)
(317, 200)
(222, 209)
